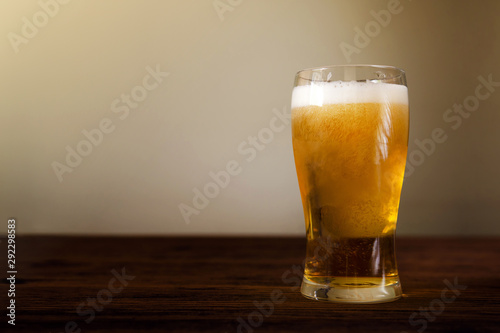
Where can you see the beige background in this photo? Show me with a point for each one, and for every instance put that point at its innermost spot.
(225, 78)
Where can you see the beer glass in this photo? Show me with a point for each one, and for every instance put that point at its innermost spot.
(350, 140)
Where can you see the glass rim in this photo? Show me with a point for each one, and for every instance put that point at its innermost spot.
(401, 72)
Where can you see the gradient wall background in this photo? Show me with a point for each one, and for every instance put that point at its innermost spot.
(228, 76)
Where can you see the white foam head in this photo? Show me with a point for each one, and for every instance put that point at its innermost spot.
(339, 92)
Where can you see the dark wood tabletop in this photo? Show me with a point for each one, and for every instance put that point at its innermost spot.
(176, 284)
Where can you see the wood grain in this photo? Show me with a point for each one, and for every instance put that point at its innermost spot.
(213, 284)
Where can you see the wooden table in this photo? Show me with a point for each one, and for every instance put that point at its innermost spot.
(95, 284)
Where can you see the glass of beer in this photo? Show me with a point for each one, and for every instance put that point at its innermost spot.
(350, 139)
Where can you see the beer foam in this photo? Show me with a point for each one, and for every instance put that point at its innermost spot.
(339, 92)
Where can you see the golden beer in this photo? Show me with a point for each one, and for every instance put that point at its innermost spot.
(350, 143)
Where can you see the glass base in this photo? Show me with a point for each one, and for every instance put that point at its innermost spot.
(363, 290)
